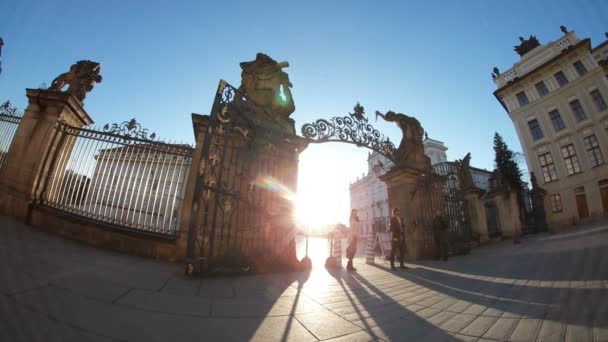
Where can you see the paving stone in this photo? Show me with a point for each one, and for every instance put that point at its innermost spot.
(526, 330)
(325, 324)
(478, 326)
(493, 312)
(457, 322)
(444, 304)
(428, 312)
(360, 336)
(20, 324)
(276, 329)
(89, 285)
(255, 307)
(551, 331)
(410, 330)
(501, 329)
(460, 306)
(464, 338)
(475, 309)
(575, 332)
(513, 309)
(600, 333)
(441, 317)
(167, 303)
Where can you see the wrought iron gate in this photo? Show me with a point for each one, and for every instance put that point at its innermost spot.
(232, 228)
(444, 190)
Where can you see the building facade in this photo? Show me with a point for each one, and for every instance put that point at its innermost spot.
(369, 194)
(557, 98)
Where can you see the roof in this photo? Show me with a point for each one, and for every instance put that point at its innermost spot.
(518, 80)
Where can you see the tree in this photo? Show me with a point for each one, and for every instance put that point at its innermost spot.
(504, 162)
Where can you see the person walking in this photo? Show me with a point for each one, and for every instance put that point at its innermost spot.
(353, 239)
(440, 232)
(397, 228)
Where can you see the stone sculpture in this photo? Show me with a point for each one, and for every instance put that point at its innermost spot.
(526, 45)
(464, 173)
(80, 79)
(411, 150)
(265, 82)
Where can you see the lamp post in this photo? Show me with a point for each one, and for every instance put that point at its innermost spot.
(1, 44)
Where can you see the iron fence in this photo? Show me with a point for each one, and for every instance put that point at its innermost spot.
(9, 122)
(447, 195)
(120, 177)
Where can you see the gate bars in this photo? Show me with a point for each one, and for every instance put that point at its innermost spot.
(9, 122)
(118, 177)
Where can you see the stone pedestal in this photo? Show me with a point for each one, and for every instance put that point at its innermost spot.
(34, 140)
(405, 193)
(477, 213)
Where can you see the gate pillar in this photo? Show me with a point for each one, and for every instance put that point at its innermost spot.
(477, 213)
(404, 192)
(509, 213)
(33, 141)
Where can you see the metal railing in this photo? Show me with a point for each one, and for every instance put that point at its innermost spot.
(119, 178)
(9, 122)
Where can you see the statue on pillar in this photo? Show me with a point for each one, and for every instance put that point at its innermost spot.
(465, 178)
(265, 82)
(81, 78)
(411, 150)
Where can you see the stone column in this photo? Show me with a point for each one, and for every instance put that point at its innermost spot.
(404, 193)
(509, 214)
(34, 140)
(477, 213)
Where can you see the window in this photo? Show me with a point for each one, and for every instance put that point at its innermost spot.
(580, 68)
(593, 150)
(571, 160)
(522, 98)
(599, 100)
(561, 78)
(537, 133)
(541, 88)
(168, 188)
(556, 119)
(556, 203)
(578, 111)
(547, 167)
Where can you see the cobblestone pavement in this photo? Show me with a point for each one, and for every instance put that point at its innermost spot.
(549, 288)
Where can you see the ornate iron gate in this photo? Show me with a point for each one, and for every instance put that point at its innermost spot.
(235, 216)
(446, 194)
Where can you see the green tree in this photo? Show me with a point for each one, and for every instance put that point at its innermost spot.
(504, 162)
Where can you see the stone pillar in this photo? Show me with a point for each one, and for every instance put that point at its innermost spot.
(404, 193)
(509, 214)
(477, 213)
(34, 140)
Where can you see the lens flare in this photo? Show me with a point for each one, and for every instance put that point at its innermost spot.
(272, 184)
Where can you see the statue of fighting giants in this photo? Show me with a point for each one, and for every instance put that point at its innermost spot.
(410, 152)
(265, 82)
(80, 79)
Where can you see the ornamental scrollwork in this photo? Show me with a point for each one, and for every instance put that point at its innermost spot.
(353, 129)
(7, 109)
(129, 129)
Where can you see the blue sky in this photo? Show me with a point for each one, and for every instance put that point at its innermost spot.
(162, 60)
